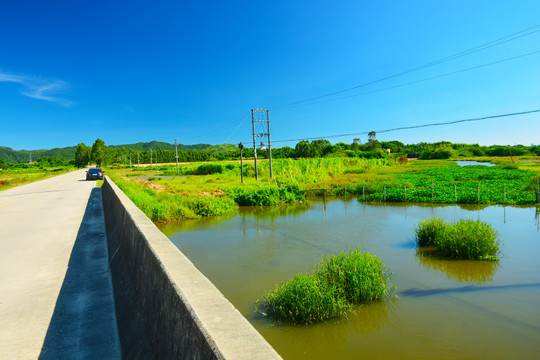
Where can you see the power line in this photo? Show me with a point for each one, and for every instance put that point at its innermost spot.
(422, 80)
(414, 126)
(511, 37)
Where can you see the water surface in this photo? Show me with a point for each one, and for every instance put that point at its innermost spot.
(444, 309)
(471, 162)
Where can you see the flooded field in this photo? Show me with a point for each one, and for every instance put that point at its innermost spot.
(443, 309)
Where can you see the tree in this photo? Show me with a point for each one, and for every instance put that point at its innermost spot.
(82, 155)
(356, 144)
(304, 149)
(99, 152)
(372, 140)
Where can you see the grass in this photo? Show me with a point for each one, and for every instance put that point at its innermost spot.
(163, 206)
(463, 239)
(305, 299)
(10, 178)
(295, 179)
(340, 282)
(428, 231)
(469, 239)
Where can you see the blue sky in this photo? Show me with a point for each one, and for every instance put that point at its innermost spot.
(132, 71)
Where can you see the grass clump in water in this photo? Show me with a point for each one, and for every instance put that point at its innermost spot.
(428, 231)
(469, 239)
(305, 299)
(361, 277)
(464, 239)
(340, 282)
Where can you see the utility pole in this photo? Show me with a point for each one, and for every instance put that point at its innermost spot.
(254, 143)
(138, 163)
(241, 147)
(30, 159)
(176, 146)
(260, 119)
(151, 166)
(269, 143)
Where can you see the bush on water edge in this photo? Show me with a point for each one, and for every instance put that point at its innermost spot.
(463, 239)
(265, 195)
(339, 282)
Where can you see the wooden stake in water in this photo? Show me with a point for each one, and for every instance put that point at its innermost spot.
(324, 193)
(385, 193)
(504, 191)
(363, 193)
(479, 192)
(455, 192)
(405, 189)
(345, 192)
(432, 191)
(537, 190)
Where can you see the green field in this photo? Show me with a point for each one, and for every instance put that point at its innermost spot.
(19, 176)
(214, 188)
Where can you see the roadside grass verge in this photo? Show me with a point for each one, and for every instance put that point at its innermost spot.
(339, 282)
(163, 206)
(10, 178)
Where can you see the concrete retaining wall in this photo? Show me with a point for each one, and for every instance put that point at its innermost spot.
(166, 309)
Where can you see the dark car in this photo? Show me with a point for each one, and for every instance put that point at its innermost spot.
(94, 174)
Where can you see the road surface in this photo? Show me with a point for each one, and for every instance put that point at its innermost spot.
(55, 289)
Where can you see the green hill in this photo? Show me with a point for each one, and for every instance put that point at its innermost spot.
(19, 156)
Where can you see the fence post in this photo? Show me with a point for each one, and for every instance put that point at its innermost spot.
(405, 187)
(537, 190)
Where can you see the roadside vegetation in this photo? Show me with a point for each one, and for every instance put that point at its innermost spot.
(464, 239)
(339, 282)
(12, 175)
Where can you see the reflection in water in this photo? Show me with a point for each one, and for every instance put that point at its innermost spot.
(172, 227)
(272, 212)
(365, 320)
(373, 316)
(464, 271)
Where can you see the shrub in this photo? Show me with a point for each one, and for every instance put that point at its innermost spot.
(464, 239)
(265, 195)
(428, 230)
(206, 169)
(340, 282)
(469, 239)
(305, 299)
(403, 160)
(361, 277)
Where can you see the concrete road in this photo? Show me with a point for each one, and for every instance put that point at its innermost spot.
(55, 289)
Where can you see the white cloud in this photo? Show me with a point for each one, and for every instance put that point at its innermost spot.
(38, 88)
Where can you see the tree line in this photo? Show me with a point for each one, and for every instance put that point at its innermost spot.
(102, 155)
